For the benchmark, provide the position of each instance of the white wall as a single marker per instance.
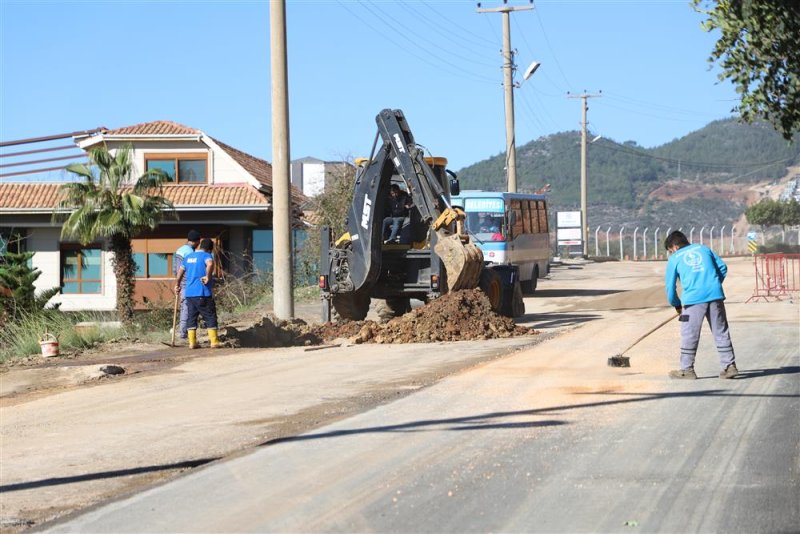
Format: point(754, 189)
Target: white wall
point(313, 179)
point(45, 242)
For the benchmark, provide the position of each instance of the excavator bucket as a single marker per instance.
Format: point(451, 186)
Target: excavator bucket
point(462, 262)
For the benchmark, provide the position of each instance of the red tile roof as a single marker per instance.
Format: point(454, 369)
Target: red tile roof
point(32, 196)
point(154, 128)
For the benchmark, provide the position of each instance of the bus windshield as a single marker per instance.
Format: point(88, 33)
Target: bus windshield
point(486, 226)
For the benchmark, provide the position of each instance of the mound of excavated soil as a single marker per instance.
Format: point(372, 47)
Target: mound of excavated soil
point(458, 316)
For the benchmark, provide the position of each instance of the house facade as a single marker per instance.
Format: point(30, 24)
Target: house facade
point(222, 192)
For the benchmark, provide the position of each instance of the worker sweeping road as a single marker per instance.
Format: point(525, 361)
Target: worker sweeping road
point(198, 267)
point(701, 273)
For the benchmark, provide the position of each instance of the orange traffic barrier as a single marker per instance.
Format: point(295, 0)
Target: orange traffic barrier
point(777, 275)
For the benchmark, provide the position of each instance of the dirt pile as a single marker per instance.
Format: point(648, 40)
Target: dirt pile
point(457, 316)
point(270, 331)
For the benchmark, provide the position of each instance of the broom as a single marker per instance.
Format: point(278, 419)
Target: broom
point(619, 360)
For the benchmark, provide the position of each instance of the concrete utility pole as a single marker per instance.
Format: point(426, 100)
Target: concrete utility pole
point(283, 301)
point(508, 86)
point(584, 211)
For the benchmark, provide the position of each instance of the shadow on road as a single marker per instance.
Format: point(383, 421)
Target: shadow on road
point(56, 481)
point(758, 373)
point(575, 292)
point(489, 420)
point(555, 320)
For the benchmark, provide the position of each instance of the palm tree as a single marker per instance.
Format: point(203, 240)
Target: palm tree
point(109, 203)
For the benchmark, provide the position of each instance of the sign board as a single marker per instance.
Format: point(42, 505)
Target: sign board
point(568, 219)
point(752, 236)
point(484, 204)
point(568, 234)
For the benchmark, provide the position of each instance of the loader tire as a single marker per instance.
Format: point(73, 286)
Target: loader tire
point(351, 306)
point(393, 307)
point(492, 284)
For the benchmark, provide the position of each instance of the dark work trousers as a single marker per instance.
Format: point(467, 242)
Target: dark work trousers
point(714, 313)
point(395, 223)
point(204, 306)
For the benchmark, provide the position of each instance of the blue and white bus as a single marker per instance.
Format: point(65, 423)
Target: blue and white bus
point(510, 228)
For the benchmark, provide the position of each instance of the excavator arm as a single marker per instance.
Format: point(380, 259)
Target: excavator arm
point(399, 155)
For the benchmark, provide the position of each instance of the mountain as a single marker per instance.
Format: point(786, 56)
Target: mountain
point(707, 177)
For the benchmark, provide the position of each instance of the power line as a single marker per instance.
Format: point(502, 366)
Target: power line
point(396, 21)
point(424, 59)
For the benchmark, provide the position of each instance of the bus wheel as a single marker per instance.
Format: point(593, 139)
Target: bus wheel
point(529, 286)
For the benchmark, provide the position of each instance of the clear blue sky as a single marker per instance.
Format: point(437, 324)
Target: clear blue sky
point(76, 65)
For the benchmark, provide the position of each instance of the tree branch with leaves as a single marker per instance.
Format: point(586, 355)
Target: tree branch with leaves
point(759, 52)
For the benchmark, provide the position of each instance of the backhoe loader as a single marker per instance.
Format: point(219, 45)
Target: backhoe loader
point(432, 256)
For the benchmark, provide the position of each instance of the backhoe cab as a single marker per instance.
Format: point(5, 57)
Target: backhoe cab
point(432, 255)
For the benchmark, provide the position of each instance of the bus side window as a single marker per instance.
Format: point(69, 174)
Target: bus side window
point(517, 227)
point(534, 217)
point(542, 216)
point(526, 217)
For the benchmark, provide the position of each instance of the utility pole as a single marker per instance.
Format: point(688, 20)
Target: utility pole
point(508, 86)
point(584, 204)
point(283, 301)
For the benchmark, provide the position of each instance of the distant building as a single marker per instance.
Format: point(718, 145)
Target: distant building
point(310, 175)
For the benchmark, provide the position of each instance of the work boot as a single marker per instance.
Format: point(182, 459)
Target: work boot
point(193, 344)
point(729, 372)
point(686, 374)
point(212, 337)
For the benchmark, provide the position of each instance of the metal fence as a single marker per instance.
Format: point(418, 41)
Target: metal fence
point(777, 275)
point(648, 244)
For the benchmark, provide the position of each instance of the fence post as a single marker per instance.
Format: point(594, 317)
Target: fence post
point(733, 244)
point(596, 243)
point(711, 238)
point(691, 235)
point(635, 231)
point(655, 242)
point(608, 242)
point(722, 240)
point(644, 242)
point(621, 250)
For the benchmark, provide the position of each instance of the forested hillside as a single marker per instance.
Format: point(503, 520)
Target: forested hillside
point(692, 180)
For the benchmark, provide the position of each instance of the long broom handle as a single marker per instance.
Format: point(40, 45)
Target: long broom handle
point(175, 315)
point(659, 325)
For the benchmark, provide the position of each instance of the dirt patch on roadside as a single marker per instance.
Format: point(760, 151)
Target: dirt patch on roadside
point(457, 316)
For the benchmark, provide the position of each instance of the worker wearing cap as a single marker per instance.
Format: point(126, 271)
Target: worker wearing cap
point(192, 240)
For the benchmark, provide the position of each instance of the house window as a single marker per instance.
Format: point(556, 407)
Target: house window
point(180, 168)
point(153, 264)
point(80, 270)
point(262, 250)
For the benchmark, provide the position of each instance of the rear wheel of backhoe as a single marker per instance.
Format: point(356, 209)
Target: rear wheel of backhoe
point(393, 307)
point(351, 306)
point(492, 284)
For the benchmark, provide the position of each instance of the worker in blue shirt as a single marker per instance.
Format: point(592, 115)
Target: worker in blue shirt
point(192, 240)
point(198, 268)
point(701, 273)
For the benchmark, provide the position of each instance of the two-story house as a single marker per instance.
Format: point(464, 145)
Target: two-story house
point(216, 189)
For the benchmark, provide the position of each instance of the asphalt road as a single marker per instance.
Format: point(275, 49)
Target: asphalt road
point(545, 440)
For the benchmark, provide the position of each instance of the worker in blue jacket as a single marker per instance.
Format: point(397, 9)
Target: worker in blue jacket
point(701, 273)
point(192, 240)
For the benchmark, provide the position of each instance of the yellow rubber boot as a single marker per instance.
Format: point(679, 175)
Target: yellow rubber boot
point(212, 337)
point(193, 339)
